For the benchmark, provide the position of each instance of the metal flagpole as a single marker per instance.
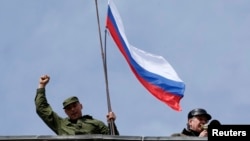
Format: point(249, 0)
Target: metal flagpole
point(104, 61)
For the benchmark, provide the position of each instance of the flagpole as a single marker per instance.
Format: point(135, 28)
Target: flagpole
point(104, 61)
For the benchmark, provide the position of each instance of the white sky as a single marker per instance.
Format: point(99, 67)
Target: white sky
point(206, 42)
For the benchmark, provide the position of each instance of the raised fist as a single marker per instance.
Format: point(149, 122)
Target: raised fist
point(44, 79)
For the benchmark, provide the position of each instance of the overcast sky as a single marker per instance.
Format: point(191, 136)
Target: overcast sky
point(206, 42)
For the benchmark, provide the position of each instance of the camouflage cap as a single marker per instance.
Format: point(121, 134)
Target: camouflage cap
point(69, 100)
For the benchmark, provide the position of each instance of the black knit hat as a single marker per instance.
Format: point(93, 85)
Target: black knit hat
point(198, 112)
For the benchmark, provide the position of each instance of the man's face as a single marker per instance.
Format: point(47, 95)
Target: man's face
point(74, 110)
point(196, 123)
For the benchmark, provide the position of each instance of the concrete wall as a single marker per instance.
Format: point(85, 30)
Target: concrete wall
point(97, 138)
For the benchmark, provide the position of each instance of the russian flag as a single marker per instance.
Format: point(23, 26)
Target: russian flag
point(153, 71)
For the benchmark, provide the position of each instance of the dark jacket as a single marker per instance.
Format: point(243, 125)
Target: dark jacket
point(63, 126)
point(186, 132)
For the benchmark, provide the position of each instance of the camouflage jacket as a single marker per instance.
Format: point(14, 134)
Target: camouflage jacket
point(63, 126)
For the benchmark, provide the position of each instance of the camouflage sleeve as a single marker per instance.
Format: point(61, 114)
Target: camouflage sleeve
point(45, 111)
point(104, 129)
point(115, 129)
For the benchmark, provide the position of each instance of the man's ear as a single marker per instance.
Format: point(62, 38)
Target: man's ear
point(190, 120)
point(81, 106)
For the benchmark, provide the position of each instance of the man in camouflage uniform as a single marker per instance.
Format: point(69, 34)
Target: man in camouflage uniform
point(75, 123)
